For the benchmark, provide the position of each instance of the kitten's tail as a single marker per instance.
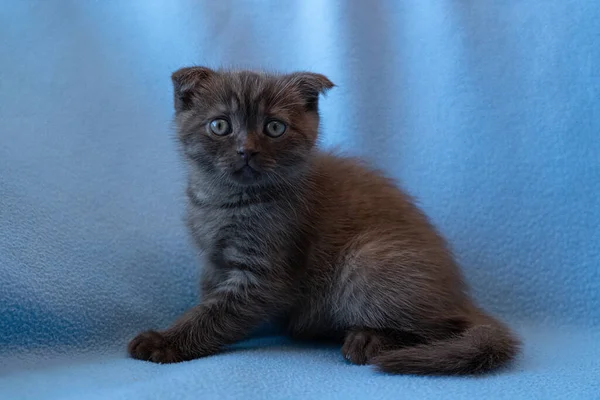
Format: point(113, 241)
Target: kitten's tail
point(480, 348)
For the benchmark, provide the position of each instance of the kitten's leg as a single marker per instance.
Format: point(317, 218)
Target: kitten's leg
point(225, 316)
point(415, 293)
point(209, 281)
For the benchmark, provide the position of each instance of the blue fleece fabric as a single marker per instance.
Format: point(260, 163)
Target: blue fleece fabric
point(487, 111)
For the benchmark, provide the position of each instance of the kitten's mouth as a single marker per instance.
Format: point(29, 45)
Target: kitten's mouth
point(246, 174)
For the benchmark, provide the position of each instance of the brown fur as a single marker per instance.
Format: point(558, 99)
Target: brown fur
point(321, 243)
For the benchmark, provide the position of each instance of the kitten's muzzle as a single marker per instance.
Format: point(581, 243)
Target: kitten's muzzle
point(247, 168)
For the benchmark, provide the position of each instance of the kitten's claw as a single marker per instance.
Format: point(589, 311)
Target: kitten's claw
point(360, 346)
point(154, 346)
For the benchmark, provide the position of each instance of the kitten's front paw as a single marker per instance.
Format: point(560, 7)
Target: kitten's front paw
point(360, 346)
point(154, 346)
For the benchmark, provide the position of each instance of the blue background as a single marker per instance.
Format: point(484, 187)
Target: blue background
point(488, 112)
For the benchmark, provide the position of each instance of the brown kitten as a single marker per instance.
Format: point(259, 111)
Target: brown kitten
point(322, 243)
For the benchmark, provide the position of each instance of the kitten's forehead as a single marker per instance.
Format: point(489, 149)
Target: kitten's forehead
point(253, 87)
point(249, 83)
point(253, 93)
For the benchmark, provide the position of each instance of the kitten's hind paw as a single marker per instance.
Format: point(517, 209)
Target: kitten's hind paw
point(360, 346)
point(154, 346)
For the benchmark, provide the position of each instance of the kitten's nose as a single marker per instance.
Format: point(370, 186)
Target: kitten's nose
point(246, 154)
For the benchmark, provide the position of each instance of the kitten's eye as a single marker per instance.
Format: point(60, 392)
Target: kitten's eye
point(275, 128)
point(220, 127)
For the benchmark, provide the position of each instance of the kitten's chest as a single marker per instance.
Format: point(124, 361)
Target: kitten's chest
point(247, 227)
point(255, 235)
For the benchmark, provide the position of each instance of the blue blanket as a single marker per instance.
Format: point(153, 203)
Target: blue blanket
point(488, 112)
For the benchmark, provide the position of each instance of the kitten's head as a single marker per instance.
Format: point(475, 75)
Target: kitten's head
point(247, 128)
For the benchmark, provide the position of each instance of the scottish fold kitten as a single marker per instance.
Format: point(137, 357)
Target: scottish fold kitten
point(323, 244)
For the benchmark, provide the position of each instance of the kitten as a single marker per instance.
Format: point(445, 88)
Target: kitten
point(322, 243)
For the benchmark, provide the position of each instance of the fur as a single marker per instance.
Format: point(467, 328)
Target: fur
point(322, 244)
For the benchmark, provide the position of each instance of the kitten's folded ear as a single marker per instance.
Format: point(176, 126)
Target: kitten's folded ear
point(311, 85)
point(185, 80)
